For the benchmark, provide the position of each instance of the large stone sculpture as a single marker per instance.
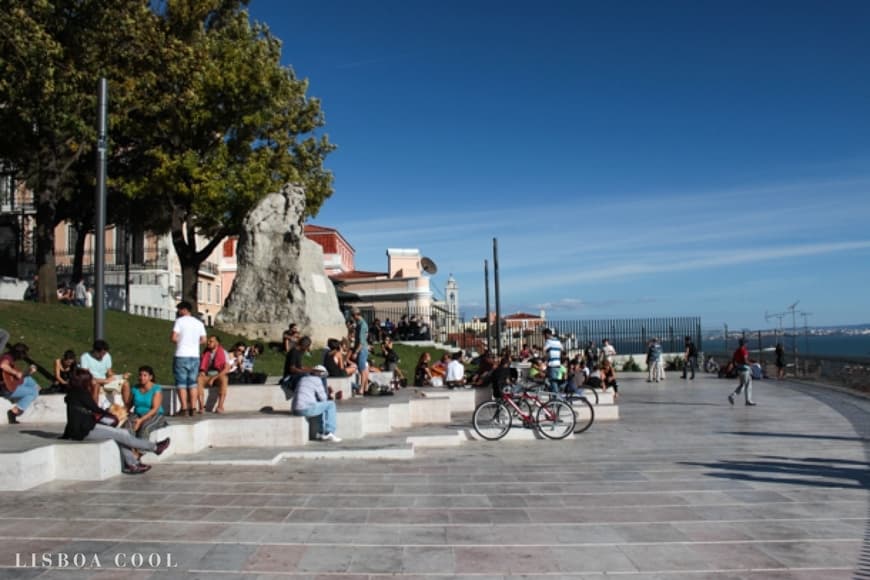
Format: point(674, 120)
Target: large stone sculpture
point(280, 276)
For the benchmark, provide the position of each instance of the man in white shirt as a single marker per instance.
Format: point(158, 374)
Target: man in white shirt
point(553, 351)
point(104, 382)
point(607, 350)
point(455, 372)
point(188, 333)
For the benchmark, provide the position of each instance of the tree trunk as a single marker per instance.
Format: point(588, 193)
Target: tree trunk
point(45, 263)
point(184, 241)
point(79, 255)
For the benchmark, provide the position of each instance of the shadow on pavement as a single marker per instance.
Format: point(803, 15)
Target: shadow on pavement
point(792, 435)
point(808, 472)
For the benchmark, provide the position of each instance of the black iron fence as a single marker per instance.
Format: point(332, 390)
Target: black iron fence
point(628, 336)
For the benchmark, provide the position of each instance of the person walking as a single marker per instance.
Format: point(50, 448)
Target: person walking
point(744, 373)
point(691, 358)
point(780, 361)
point(188, 333)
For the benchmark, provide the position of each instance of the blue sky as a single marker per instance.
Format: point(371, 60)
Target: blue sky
point(633, 158)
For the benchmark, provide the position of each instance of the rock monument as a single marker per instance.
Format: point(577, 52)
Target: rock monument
point(280, 276)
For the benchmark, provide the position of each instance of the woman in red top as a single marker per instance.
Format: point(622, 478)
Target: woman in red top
point(741, 364)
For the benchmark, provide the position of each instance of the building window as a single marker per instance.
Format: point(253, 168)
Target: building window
point(208, 293)
point(72, 236)
point(229, 248)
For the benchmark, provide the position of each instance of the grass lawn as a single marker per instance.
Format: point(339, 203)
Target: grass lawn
point(50, 329)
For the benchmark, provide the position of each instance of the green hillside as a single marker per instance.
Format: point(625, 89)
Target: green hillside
point(50, 329)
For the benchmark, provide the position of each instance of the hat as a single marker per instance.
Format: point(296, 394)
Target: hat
point(320, 370)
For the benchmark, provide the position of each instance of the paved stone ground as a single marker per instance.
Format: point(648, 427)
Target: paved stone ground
point(682, 486)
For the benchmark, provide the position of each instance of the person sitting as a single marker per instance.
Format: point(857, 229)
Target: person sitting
point(349, 366)
point(332, 360)
point(311, 399)
point(290, 337)
point(84, 422)
point(294, 367)
point(391, 357)
point(236, 360)
point(106, 385)
point(537, 370)
point(63, 369)
point(214, 369)
point(439, 369)
point(17, 386)
point(422, 372)
point(608, 377)
point(710, 365)
point(248, 360)
point(145, 405)
point(485, 365)
point(455, 372)
point(501, 377)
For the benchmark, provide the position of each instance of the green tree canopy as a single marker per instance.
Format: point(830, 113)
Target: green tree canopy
point(220, 124)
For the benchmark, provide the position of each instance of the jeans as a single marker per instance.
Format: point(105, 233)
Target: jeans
point(25, 393)
point(186, 371)
point(553, 379)
point(691, 363)
point(126, 442)
point(325, 408)
point(745, 375)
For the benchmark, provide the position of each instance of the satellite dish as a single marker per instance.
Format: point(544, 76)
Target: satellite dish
point(428, 266)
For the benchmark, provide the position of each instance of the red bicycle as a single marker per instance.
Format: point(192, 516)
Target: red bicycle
point(554, 419)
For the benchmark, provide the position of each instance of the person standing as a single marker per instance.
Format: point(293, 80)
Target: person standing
point(744, 373)
point(553, 352)
point(780, 361)
point(188, 333)
point(691, 358)
point(361, 348)
point(607, 350)
point(80, 294)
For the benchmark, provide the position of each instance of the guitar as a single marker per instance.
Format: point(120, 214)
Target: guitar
point(10, 381)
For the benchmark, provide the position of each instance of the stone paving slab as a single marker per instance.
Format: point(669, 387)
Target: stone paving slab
point(683, 486)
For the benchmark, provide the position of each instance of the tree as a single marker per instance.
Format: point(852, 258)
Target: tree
point(220, 124)
point(52, 54)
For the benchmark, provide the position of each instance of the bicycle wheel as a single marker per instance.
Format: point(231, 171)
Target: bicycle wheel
point(590, 394)
point(556, 420)
point(492, 420)
point(584, 414)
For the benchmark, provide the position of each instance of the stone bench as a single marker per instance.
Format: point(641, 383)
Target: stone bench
point(29, 457)
point(240, 398)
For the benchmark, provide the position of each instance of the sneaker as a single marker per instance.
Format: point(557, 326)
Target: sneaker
point(136, 469)
point(731, 399)
point(161, 446)
point(12, 417)
point(750, 404)
point(330, 437)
